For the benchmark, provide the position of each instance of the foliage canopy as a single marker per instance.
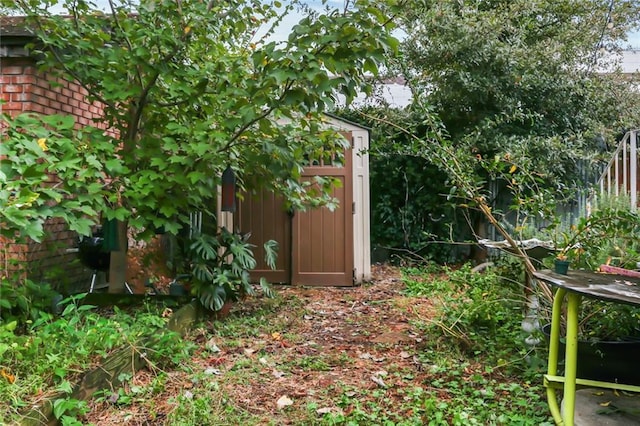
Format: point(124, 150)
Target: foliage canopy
point(189, 88)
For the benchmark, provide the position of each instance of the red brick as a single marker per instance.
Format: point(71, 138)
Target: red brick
point(78, 96)
point(23, 79)
point(15, 106)
point(12, 88)
point(55, 104)
point(67, 108)
point(12, 70)
point(36, 108)
point(74, 103)
point(41, 100)
point(20, 97)
point(37, 90)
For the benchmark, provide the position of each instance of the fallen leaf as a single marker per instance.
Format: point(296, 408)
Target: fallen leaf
point(405, 355)
point(284, 401)
point(276, 336)
point(378, 381)
point(277, 374)
point(605, 404)
point(211, 346)
point(10, 377)
point(325, 410)
point(365, 355)
point(215, 371)
point(249, 351)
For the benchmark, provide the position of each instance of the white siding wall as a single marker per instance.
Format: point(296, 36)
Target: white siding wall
point(361, 218)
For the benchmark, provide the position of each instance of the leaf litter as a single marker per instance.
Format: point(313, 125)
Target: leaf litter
point(327, 343)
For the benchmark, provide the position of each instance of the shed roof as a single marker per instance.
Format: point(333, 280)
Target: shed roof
point(14, 36)
point(12, 27)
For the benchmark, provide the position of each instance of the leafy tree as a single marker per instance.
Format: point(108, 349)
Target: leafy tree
point(409, 215)
point(516, 92)
point(189, 88)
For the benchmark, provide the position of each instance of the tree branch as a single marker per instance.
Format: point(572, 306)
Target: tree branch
point(126, 39)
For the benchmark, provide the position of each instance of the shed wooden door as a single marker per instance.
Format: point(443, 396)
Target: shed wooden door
point(265, 217)
point(323, 239)
point(316, 246)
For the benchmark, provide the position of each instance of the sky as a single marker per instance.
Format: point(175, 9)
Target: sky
point(293, 18)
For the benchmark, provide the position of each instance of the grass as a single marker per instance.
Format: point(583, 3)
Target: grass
point(442, 347)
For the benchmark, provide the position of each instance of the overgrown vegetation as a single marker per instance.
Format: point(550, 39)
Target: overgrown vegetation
point(48, 355)
point(509, 102)
point(427, 350)
point(478, 320)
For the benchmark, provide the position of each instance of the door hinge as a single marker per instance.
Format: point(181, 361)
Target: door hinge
point(353, 207)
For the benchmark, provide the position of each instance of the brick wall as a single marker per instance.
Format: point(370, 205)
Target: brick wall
point(24, 89)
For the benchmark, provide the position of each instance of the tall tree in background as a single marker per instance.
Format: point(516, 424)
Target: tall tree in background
point(191, 88)
point(522, 83)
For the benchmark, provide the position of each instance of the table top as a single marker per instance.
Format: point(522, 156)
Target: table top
point(611, 287)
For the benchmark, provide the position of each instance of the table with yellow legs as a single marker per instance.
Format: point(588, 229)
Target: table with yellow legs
point(574, 287)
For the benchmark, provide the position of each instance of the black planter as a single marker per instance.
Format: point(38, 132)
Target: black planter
point(607, 361)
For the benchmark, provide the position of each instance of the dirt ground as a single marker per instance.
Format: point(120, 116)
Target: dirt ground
point(362, 338)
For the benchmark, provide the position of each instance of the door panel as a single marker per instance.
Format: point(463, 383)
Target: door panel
point(316, 246)
point(264, 215)
point(323, 239)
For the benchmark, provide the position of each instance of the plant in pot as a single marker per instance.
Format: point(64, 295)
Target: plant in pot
point(220, 265)
point(590, 241)
point(568, 247)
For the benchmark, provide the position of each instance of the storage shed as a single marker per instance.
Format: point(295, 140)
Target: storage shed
point(317, 247)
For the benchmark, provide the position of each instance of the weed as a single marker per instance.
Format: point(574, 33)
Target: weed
point(51, 352)
point(312, 363)
point(478, 321)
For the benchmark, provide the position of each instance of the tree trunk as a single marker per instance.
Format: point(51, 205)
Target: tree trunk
point(118, 265)
point(479, 253)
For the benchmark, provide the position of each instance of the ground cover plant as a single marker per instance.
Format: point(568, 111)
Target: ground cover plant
point(381, 353)
point(45, 357)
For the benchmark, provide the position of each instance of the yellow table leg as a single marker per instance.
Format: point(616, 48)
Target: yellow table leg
point(571, 357)
point(554, 346)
